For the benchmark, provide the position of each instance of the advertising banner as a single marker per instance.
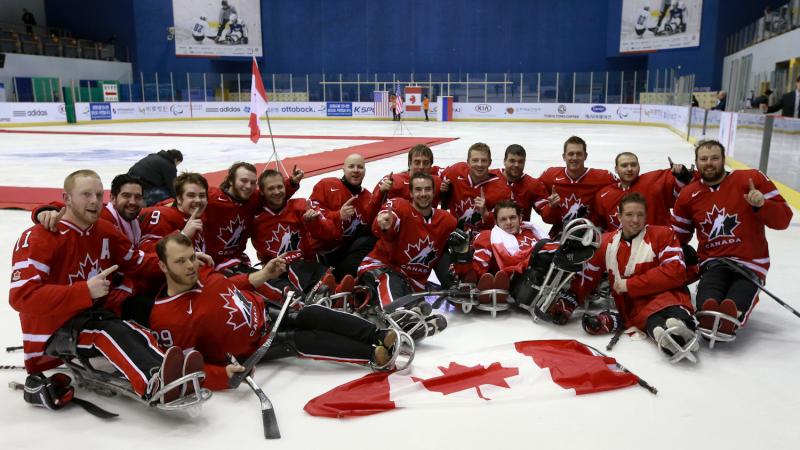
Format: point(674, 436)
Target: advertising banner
point(648, 25)
point(217, 28)
point(17, 113)
point(339, 109)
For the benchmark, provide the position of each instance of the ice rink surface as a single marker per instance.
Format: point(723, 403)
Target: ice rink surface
point(739, 396)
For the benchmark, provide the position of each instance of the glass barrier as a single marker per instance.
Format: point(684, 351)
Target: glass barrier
point(783, 163)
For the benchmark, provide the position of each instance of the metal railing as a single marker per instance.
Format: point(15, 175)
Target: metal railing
point(528, 87)
point(775, 22)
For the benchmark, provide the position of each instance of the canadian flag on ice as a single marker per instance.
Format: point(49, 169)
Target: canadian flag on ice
point(521, 371)
point(258, 102)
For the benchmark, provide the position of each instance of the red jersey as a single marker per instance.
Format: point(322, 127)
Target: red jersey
point(227, 224)
point(49, 274)
point(285, 232)
point(576, 195)
point(528, 193)
point(218, 316)
point(496, 250)
point(401, 188)
point(329, 195)
point(414, 243)
point(653, 265)
point(660, 188)
point(160, 221)
point(727, 226)
point(463, 193)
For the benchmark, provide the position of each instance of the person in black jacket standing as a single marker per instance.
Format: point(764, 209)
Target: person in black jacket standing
point(789, 104)
point(158, 171)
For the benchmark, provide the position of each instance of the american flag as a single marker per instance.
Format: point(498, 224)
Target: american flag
point(381, 103)
point(398, 100)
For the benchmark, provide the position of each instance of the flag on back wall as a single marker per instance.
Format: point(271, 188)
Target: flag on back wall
point(258, 102)
point(413, 98)
point(522, 371)
point(398, 100)
point(381, 99)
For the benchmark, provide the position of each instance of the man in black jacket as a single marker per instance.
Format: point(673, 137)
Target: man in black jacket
point(158, 172)
point(789, 104)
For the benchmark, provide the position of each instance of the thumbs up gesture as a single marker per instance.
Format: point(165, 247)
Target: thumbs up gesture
point(754, 197)
point(554, 199)
point(98, 284)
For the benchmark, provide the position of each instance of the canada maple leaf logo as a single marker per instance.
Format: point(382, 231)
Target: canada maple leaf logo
point(613, 221)
point(574, 208)
point(355, 222)
point(422, 253)
point(86, 269)
point(240, 310)
point(719, 224)
point(284, 239)
point(232, 234)
point(465, 209)
point(457, 378)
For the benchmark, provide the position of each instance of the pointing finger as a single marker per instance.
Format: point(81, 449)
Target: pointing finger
point(752, 186)
point(350, 201)
point(294, 169)
point(194, 214)
point(61, 213)
point(108, 271)
point(482, 196)
point(670, 161)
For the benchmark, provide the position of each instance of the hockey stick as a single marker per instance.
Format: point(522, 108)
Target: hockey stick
point(615, 338)
point(752, 278)
point(11, 367)
point(251, 361)
point(268, 418)
point(13, 349)
point(641, 382)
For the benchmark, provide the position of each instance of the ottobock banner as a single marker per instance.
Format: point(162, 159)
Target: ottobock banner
point(19, 113)
point(217, 28)
point(648, 25)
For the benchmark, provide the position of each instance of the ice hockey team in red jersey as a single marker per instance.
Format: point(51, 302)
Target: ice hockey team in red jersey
point(167, 293)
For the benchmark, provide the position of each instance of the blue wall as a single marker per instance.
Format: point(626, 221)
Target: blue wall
point(349, 36)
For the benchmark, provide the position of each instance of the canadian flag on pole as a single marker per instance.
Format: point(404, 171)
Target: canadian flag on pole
point(521, 371)
point(258, 102)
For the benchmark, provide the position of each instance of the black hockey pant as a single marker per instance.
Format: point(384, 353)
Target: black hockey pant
point(720, 282)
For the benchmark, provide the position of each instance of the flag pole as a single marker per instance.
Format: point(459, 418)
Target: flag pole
point(257, 79)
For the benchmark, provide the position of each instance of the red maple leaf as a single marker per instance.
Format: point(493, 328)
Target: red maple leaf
point(457, 378)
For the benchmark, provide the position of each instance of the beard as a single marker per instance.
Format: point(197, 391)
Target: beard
point(710, 177)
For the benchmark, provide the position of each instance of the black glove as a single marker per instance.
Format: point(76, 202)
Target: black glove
point(458, 243)
point(684, 176)
point(603, 323)
point(244, 40)
point(582, 210)
point(48, 392)
point(689, 255)
point(561, 309)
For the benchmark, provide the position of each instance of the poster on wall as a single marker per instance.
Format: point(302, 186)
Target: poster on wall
point(648, 25)
point(217, 27)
